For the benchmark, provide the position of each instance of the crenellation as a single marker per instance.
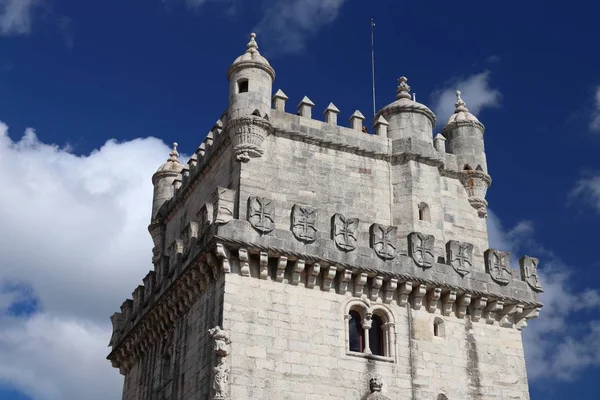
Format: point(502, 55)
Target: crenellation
point(290, 252)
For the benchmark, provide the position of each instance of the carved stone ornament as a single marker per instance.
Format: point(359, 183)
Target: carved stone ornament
point(345, 232)
point(529, 272)
point(383, 240)
point(304, 223)
point(497, 264)
point(190, 235)
point(220, 382)
point(375, 386)
point(420, 247)
point(460, 256)
point(261, 214)
point(223, 205)
point(248, 134)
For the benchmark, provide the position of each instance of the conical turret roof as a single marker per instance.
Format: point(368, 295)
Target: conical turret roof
point(251, 59)
point(461, 112)
point(172, 164)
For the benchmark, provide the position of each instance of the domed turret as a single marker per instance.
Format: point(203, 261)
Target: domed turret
point(163, 181)
point(406, 117)
point(250, 89)
point(464, 134)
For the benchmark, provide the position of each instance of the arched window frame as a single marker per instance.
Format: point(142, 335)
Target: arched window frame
point(424, 212)
point(388, 327)
point(439, 328)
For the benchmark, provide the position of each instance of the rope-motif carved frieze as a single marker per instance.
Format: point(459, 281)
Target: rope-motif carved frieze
point(400, 289)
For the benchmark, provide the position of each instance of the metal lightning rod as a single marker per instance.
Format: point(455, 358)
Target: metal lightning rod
point(373, 64)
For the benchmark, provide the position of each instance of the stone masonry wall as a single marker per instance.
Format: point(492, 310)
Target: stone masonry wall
point(192, 356)
point(289, 342)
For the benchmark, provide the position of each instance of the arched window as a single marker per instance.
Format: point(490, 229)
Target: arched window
point(376, 339)
point(438, 328)
point(424, 213)
point(242, 85)
point(356, 331)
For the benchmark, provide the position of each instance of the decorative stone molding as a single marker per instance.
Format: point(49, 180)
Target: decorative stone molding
point(418, 293)
point(476, 183)
point(376, 287)
point(405, 291)
point(359, 283)
point(345, 277)
point(298, 268)
point(489, 312)
point(264, 265)
point(529, 272)
point(313, 273)
point(223, 205)
point(248, 134)
point(383, 241)
point(477, 307)
point(330, 273)
point(304, 223)
point(463, 303)
point(244, 262)
point(220, 379)
point(448, 300)
point(433, 296)
point(281, 266)
point(497, 264)
point(261, 214)
point(390, 287)
point(420, 247)
point(344, 232)
point(460, 256)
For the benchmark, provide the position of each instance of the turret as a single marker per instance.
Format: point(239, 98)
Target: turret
point(406, 117)
point(464, 135)
point(250, 89)
point(464, 138)
point(163, 180)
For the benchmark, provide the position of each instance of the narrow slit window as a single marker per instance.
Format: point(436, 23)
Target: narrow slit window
point(438, 328)
point(424, 212)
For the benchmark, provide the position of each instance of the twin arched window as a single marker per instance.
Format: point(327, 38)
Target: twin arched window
point(370, 331)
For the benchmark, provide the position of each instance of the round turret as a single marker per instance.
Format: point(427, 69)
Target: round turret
point(464, 134)
point(406, 117)
point(250, 88)
point(250, 83)
point(163, 181)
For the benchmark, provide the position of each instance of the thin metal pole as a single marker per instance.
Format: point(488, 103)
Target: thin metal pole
point(373, 65)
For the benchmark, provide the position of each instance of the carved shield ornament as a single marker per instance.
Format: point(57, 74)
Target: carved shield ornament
point(460, 256)
point(261, 214)
point(421, 249)
point(529, 273)
point(497, 264)
point(304, 223)
point(345, 232)
point(383, 240)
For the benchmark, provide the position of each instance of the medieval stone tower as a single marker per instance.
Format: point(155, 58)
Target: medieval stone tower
point(302, 259)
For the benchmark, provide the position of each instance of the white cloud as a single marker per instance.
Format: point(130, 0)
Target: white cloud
point(73, 229)
point(16, 16)
point(476, 92)
point(588, 190)
point(286, 24)
point(595, 118)
point(556, 347)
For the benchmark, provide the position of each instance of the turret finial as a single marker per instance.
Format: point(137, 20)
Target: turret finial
point(174, 154)
point(460, 103)
point(252, 45)
point(403, 89)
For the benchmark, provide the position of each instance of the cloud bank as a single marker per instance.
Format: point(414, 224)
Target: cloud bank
point(72, 235)
point(16, 16)
point(595, 117)
point(476, 92)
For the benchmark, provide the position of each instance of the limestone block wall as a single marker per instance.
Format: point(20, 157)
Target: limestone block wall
point(289, 342)
point(191, 356)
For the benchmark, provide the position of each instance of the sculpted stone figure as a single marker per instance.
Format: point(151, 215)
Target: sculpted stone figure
point(261, 214)
point(497, 264)
point(460, 256)
point(375, 386)
point(421, 249)
point(529, 272)
point(220, 381)
point(345, 232)
point(383, 240)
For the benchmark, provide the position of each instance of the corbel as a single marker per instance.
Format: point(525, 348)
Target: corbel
point(405, 291)
point(244, 262)
point(390, 288)
point(264, 265)
point(281, 266)
point(330, 273)
point(359, 283)
point(224, 254)
point(418, 293)
point(477, 308)
point(433, 297)
point(462, 304)
point(376, 285)
point(345, 277)
point(313, 272)
point(298, 268)
point(491, 309)
point(448, 300)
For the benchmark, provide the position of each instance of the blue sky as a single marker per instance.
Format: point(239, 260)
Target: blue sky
point(92, 91)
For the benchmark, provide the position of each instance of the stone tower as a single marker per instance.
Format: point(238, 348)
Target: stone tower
point(301, 259)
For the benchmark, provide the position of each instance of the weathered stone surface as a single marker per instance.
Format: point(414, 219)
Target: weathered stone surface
point(383, 240)
point(529, 272)
point(460, 256)
point(261, 214)
point(497, 264)
point(421, 249)
point(304, 223)
point(345, 232)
